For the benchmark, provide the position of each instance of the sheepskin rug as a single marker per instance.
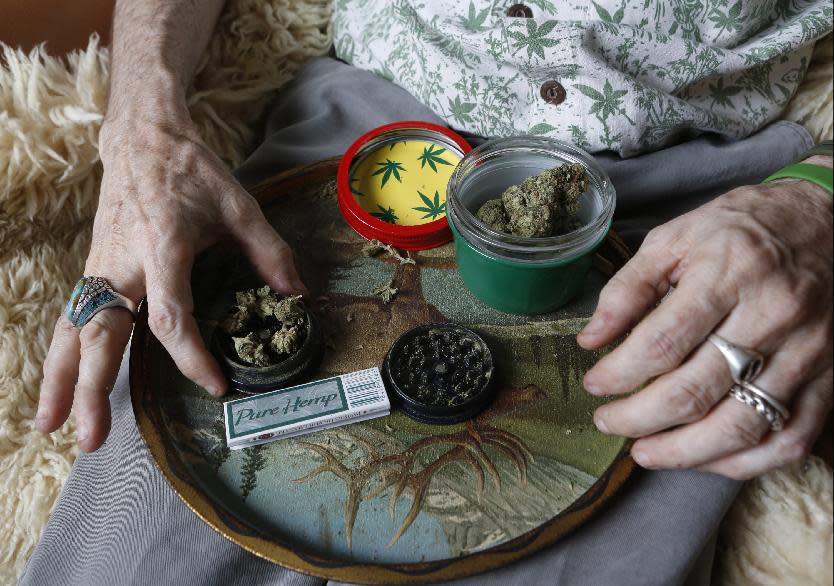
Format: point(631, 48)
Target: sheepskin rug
point(50, 111)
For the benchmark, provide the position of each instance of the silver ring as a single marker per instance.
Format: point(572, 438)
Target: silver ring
point(765, 396)
point(764, 404)
point(91, 295)
point(745, 364)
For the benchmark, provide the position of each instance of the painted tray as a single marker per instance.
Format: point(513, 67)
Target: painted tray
point(389, 501)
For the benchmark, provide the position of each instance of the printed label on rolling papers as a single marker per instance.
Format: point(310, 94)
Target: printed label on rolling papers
point(305, 408)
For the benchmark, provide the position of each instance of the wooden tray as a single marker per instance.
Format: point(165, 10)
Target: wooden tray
point(389, 501)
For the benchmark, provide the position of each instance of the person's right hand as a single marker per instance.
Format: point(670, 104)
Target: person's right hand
point(164, 198)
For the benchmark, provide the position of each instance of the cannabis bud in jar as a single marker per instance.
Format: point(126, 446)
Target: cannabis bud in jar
point(264, 327)
point(542, 205)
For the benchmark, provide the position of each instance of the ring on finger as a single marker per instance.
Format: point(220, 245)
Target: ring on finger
point(763, 402)
point(745, 363)
point(92, 295)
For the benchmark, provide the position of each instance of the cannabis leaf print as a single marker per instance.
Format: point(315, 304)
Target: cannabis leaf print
point(642, 73)
point(474, 21)
point(727, 21)
point(461, 110)
point(353, 190)
point(606, 104)
point(542, 128)
point(389, 168)
point(433, 208)
point(432, 158)
point(606, 16)
point(721, 95)
point(536, 39)
point(386, 215)
point(609, 102)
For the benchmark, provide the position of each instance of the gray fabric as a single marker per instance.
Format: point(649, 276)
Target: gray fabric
point(118, 521)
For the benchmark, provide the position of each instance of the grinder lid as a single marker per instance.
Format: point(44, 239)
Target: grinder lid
point(392, 183)
point(440, 373)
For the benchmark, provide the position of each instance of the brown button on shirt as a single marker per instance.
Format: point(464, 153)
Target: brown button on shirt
point(520, 11)
point(553, 92)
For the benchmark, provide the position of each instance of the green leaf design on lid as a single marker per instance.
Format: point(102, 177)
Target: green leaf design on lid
point(388, 169)
point(386, 215)
point(433, 208)
point(432, 157)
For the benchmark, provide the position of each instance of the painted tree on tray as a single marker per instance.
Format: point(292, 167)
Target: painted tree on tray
point(480, 448)
point(217, 454)
point(253, 461)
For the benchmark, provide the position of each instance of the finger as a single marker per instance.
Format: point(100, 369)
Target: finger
point(664, 339)
point(170, 317)
point(689, 392)
point(267, 251)
point(103, 341)
point(682, 396)
point(791, 445)
point(731, 426)
point(632, 292)
point(60, 371)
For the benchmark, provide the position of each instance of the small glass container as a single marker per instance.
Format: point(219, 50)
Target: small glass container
point(511, 273)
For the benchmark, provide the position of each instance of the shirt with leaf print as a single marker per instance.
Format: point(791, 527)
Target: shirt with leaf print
point(637, 74)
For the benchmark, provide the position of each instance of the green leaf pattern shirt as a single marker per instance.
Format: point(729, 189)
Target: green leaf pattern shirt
point(622, 75)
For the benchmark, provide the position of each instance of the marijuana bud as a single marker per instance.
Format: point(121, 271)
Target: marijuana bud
point(237, 321)
point(251, 351)
point(289, 310)
point(286, 340)
point(264, 327)
point(386, 293)
point(533, 222)
point(492, 214)
point(542, 205)
point(245, 298)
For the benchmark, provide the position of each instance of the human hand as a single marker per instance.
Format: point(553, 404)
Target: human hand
point(164, 198)
point(753, 266)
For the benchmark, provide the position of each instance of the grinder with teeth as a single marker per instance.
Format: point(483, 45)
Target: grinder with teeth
point(440, 373)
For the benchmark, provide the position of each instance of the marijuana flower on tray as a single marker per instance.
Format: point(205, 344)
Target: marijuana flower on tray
point(541, 206)
point(264, 327)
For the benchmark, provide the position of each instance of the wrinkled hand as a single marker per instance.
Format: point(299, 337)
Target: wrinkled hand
point(753, 266)
point(164, 198)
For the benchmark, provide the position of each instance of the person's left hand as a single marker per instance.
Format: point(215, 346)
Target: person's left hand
point(753, 266)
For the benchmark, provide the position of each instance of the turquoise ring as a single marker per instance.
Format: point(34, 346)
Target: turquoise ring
point(91, 295)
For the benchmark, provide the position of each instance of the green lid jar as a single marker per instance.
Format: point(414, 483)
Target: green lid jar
point(512, 273)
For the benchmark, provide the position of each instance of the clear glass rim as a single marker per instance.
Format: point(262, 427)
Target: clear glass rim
point(548, 249)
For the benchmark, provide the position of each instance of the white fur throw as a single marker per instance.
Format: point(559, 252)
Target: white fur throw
point(50, 112)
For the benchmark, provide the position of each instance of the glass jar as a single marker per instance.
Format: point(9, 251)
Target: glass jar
point(511, 273)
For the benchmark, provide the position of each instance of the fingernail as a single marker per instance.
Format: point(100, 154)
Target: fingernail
point(599, 421)
point(641, 458)
point(82, 432)
point(593, 327)
point(300, 287)
point(594, 390)
point(592, 385)
point(42, 414)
